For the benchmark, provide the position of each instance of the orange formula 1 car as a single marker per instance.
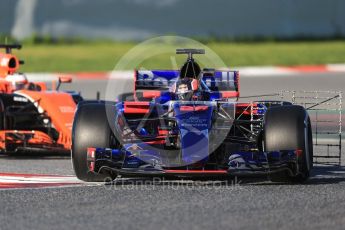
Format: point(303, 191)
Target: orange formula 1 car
point(33, 119)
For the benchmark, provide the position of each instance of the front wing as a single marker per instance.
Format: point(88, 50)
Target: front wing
point(239, 164)
point(29, 141)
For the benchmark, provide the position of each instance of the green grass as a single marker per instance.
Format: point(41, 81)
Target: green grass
point(103, 56)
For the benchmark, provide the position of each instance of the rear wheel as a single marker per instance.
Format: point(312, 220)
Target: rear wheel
point(91, 129)
point(289, 128)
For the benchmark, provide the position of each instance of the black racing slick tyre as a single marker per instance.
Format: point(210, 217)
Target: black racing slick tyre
point(288, 128)
point(91, 129)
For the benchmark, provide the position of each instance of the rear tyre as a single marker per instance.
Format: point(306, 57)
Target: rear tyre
point(288, 128)
point(91, 129)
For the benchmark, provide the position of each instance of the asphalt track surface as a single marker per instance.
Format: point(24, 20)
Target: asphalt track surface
point(156, 204)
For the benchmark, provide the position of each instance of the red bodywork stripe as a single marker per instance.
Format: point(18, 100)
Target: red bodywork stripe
point(193, 108)
point(156, 142)
point(151, 94)
point(244, 108)
point(230, 94)
point(136, 107)
point(163, 132)
point(178, 171)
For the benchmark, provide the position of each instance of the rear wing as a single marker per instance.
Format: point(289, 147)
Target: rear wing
point(155, 79)
point(225, 82)
point(9, 48)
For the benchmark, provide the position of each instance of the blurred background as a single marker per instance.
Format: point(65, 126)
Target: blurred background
point(141, 19)
point(266, 32)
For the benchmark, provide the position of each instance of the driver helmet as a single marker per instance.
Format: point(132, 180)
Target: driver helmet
point(185, 88)
point(17, 80)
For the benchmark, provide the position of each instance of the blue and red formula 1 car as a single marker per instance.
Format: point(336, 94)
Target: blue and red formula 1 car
point(189, 123)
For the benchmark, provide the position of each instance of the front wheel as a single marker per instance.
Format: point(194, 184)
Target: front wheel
point(288, 128)
point(91, 128)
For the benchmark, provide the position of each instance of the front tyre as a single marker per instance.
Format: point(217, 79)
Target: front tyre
point(289, 128)
point(91, 129)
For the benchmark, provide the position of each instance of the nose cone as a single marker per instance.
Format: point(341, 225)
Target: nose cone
point(194, 122)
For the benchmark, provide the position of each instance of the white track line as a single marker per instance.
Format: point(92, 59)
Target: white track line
point(38, 179)
point(10, 181)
